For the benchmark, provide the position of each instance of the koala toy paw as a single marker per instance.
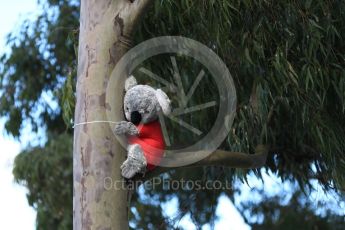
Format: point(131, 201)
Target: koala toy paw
point(135, 163)
point(125, 127)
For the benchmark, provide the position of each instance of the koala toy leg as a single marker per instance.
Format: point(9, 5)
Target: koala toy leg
point(135, 163)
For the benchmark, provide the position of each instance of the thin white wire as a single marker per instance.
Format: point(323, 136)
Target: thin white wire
point(90, 122)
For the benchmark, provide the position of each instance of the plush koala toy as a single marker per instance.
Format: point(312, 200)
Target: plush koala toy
point(142, 104)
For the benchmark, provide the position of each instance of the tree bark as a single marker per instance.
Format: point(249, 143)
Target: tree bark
point(221, 158)
point(105, 30)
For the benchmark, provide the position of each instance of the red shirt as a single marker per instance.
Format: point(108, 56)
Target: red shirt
point(150, 139)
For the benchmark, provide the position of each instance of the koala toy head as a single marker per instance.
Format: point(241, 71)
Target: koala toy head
point(142, 103)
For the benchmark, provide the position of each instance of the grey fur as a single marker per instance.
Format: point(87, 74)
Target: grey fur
point(135, 163)
point(125, 128)
point(130, 82)
point(148, 102)
point(142, 98)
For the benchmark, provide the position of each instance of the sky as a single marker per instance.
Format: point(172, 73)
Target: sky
point(15, 211)
point(13, 200)
point(14, 205)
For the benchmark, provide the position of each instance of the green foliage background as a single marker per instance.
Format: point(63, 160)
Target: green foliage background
point(287, 60)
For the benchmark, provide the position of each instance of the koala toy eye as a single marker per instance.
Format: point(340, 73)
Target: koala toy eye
point(126, 108)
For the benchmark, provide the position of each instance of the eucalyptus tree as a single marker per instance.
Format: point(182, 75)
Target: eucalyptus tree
point(277, 88)
point(286, 59)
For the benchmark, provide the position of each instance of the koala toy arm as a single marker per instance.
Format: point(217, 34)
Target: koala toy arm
point(125, 128)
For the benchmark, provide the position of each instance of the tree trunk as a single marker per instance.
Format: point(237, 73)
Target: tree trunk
point(105, 28)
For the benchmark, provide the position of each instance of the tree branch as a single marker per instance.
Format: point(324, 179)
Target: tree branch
point(131, 13)
point(222, 158)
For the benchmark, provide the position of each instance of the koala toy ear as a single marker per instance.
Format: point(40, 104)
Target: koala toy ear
point(130, 82)
point(163, 101)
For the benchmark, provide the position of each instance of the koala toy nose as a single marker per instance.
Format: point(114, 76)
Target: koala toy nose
point(135, 117)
